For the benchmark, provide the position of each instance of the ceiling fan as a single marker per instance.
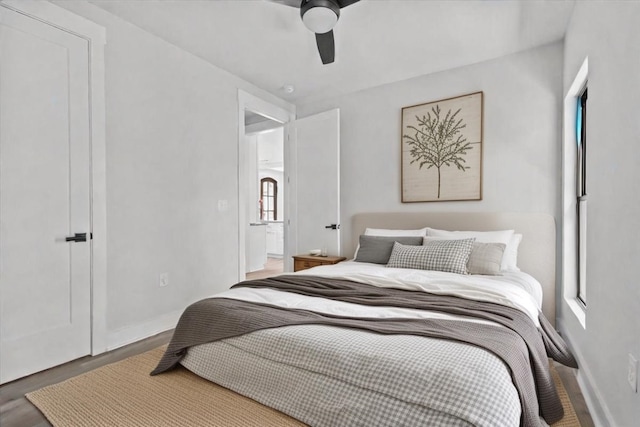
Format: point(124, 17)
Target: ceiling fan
point(320, 16)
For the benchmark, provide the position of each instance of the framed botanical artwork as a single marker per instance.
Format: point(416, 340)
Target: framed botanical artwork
point(442, 150)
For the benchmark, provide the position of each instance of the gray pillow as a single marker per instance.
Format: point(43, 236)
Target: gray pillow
point(377, 249)
point(486, 258)
point(439, 255)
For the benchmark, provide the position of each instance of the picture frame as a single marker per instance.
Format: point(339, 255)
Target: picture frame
point(441, 150)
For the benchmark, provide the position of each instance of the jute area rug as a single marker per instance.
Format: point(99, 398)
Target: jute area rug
point(124, 395)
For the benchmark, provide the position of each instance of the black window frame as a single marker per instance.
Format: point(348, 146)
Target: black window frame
point(265, 212)
point(581, 197)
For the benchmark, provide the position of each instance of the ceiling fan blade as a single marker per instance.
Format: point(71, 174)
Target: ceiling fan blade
point(345, 3)
point(297, 3)
point(326, 47)
point(292, 3)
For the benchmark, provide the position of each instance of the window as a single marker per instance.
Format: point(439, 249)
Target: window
point(574, 196)
point(268, 199)
point(581, 194)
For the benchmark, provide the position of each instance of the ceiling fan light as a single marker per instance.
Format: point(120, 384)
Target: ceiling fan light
point(320, 19)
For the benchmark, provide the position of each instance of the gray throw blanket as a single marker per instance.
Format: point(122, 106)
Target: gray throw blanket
point(522, 346)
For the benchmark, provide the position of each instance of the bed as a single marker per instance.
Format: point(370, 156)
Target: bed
point(376, 341)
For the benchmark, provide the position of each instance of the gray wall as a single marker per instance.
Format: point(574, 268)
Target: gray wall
point(522, 119)
point(607, 32)
point(172, 151)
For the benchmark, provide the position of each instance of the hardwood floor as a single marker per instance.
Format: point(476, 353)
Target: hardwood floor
point(271, 268)
point(17, 411)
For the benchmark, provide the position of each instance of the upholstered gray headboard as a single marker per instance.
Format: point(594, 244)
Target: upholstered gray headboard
point(536, 254)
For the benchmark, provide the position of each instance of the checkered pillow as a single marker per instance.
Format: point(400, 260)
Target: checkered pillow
point(439, 255)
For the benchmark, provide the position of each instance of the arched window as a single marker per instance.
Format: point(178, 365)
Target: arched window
point(268, 199)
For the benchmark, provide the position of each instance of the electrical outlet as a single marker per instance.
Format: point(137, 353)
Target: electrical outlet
point(164, 280)
point(632, 375)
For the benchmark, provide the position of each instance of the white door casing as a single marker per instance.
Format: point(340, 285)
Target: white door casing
point(315, 183)
point(51, 111)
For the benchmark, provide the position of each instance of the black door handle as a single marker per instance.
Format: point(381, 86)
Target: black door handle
point(333, 226)
point(78, 237)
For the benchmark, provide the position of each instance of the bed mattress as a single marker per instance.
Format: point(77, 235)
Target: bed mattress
point(331, 376)
point(335, 372)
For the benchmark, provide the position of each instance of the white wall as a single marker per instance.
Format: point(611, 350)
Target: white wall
point(522, 110)
point(172, 132)
point(253, 182)
point(607, 32)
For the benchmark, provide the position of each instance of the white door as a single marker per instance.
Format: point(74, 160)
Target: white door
point(315, 183)
point(44, 196)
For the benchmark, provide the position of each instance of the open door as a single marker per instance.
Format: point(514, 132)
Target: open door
point(314, 184)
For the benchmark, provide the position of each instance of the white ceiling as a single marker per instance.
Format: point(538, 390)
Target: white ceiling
point(377, 41)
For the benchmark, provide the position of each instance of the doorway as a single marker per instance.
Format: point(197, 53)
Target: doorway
point(265, 166)
point(263, 194)
point(311, 171)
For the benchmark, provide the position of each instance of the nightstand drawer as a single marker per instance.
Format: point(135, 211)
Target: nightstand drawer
point(304, 264)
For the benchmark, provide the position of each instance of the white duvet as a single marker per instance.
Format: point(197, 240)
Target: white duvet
point(513, 289)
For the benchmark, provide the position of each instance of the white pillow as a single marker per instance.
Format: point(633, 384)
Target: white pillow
point(390, 232)
point(509, 259)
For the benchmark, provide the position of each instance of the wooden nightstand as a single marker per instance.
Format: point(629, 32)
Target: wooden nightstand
point(302, 262)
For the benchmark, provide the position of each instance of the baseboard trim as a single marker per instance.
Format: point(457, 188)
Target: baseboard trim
point(599, 413)
point(130, 334)
point(598, 410)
